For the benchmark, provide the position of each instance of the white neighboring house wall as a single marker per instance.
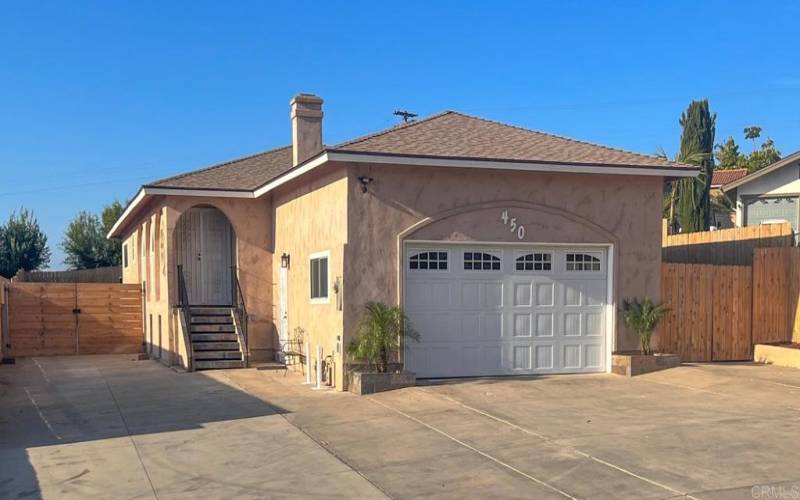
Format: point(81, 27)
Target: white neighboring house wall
point(781, 182)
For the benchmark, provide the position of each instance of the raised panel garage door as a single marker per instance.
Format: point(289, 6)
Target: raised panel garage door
point(776, 208)
point(484, 310)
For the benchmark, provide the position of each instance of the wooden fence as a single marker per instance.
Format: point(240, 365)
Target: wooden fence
point(724, 247)
point(74, 318)
point(5, 344)
point(717, 313)
point(98, 275)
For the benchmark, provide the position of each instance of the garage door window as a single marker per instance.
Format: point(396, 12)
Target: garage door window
point(583, 262)
point(534, 262)
point(481, 261)
point(428, 261)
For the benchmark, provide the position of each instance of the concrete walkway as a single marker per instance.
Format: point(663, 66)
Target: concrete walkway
point(108, 427)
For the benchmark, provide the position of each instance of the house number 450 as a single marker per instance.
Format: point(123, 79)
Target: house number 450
point(519, 229)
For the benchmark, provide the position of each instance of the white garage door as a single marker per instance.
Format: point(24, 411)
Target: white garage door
point(505, 310)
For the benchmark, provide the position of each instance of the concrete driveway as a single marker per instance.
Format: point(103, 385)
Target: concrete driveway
point(101, 427)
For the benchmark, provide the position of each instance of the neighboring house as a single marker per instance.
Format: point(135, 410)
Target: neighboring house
point(723, 211)
point(771, 194)
point(509, 249)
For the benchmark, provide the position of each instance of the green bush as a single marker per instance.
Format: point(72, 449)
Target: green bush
point(643, 316)
point(379, 333)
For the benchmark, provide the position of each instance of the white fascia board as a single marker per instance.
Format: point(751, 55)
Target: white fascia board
point(510, 165)
point(421, 161)
point(152, 191)
point(292, 174)
point(214, 193)
point(130, 208)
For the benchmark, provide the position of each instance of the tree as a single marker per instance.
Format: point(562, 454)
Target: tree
point(760, 158)
point(23, 245)
point(691, 195)
point(85, 243)
point(642, 316)
point(729, 156)
point(379, 334)
point(752, 133)
point(108, 217)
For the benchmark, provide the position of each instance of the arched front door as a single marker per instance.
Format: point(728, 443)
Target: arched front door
point(204, 249)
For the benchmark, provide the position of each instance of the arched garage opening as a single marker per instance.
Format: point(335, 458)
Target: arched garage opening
point(204, 250)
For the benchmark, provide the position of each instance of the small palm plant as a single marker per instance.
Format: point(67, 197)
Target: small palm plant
point(379, 334)
point(643, 316)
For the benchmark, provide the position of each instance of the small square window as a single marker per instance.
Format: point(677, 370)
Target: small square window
point(481, 261)
point(534, 262)
point(583, 262)
point(433, 261)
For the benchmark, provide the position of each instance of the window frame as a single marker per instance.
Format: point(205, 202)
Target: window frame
point(326, 256)
point(523, 253)
point(419, 251)
point(125, 256)
point(493, 252)
point(594, 254)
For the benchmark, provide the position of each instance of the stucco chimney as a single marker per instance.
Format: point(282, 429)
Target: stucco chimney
point(306, 127)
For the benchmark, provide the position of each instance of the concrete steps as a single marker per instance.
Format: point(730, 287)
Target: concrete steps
point(217, 364)
point(215, 343)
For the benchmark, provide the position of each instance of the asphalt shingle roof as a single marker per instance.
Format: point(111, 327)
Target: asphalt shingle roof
point(244, 174)
point(449, 134)
point(456, 135)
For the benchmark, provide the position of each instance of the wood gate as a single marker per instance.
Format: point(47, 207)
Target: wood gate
point(48, 319)
point(717, 313)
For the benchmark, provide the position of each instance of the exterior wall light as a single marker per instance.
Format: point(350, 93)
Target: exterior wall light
point(285, 260)
point(364, 180)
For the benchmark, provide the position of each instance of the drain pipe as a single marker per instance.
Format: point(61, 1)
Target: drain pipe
point(319, 368)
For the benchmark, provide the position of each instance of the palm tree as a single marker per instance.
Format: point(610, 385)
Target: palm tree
point(643, 316)
point(379, 334)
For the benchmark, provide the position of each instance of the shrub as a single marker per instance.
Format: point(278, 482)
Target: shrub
point(643, 316)
point(379, 333)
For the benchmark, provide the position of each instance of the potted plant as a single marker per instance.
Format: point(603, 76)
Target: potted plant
point(642, 316)
point(377, 344)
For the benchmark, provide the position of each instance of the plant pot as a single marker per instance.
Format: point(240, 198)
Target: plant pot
point(631, 364)
point(370, 382)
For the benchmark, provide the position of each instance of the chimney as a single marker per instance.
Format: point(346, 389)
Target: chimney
point(306, 127)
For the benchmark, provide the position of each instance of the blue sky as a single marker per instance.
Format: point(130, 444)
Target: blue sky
point(98, 97)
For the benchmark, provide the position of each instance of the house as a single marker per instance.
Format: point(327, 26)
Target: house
point(723, 213)
point(509, 249)
point(770, 194)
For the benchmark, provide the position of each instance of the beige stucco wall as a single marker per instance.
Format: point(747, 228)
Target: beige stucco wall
point(252, 227)
point(464, 205)
point(311, 216)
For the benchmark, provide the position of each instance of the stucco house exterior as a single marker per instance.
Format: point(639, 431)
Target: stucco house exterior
point(509, 249)
point(771, 194)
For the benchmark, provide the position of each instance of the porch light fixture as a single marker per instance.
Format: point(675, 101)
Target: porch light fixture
point(364, 180)
point(285, 260)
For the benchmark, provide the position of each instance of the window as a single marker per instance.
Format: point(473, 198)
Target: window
point(125, 255)
point(582, 262)
point(534, 262)
point(319, 277)
point(436, 261)
point(481, 261)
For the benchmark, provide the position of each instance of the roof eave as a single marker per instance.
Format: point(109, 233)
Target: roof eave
point(788, 160)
